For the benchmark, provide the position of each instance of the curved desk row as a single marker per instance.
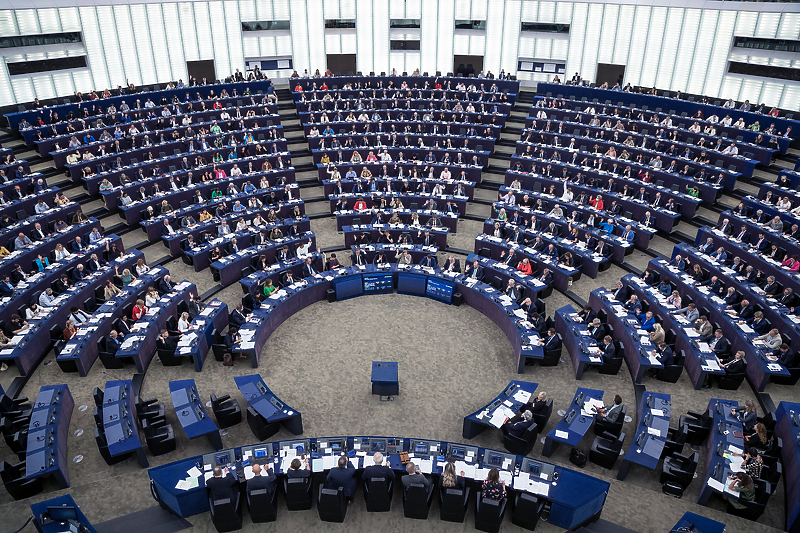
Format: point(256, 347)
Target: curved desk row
point(441, 202)
point(82, 350)
point(406, 185)
point(788, 430)
point(120, 423)
point(200, 255)
point(234, 267)
point(48, 431)
point(413, 83)
point(464, 172)
point(399, 126)
point(721, 439)
point(154, 227)
point(585, 260)
point(409, 140)
point(178, 242)
point(355, 281)
point(268, 406)
point(353, 235)
point(204, 90)
point(30, 346)
point(382, 216)
point(416, 154)
point(574, 497)
point(581, 347)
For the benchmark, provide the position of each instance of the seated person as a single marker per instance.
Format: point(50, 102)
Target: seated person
point(222, 488)
point(343, 476)
point(493, 488)
point(611, 414)
point(415, 477)
point(262, 479)
point(518, 429)
point(377, 470)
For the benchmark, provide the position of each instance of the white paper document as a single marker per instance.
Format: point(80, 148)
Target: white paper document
point(562, 434)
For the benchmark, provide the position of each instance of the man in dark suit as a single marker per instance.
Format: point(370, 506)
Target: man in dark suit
point(232, 247)
point(744, 310)
point(546, 277)
point(377, 470)
point(760, 243)
point(237, 317)
point(603, 249)
point(609, 350)
point(308, 267)
point(284, 254)
point(63, 284)
point(678, 263)
point(164, 286)
point(587, 314)
point(358, 258)
point(735, 365)
point(415, 477)
point(714, 284)
point(664, 354)
point(96, 263)
point(168, 342)
point(742, 235)
point(784, 355)
point(726, 227)
point(787, 298)
point(77, 247)
point(79, 273)
point(771, 287)
point(596, 330)
point(38, 233)
point(452, 265)
point(343, 475)
point(428, 261)
point(719, 344)
point(221, 487)
point(518, 429)
point(112, 342)
point(551, 342)
point(513, 291)
point(474, 271)
point(262, 479)
point(195, 307)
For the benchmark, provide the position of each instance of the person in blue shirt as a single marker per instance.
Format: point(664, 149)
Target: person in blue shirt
point(88, 138)
point(249, 188)
point(607, 226)
point(646, 320)
point(628, 234)
point(665, 288)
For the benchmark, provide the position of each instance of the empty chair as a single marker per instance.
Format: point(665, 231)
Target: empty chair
point(260, 427)
point(16, 484)
point(679, 469)
point(378, 494)
point(489, 513)
point(102, 445)
point(149, 409)
point(331, 504)
point(297, 493)
point(417, 501)
point(697, 426)
point(16, 407)
point(527, 510)
point(676, 438)
point(605, 450)
point(453, 504)
point(226, 514)
point(169, 358)
point(226, 410)
point(159, 436)
point(262, 505)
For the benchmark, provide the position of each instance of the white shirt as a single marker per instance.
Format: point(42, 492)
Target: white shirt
point(46, 300)
point(304, 249)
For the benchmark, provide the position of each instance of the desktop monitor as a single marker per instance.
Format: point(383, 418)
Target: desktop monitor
point(377, 446)
point(221, 459)
point(495, 460)
point(62, 513)
point(337, 447)
point(457, 453)
point(534, 468)
point(261, 387)
point(420, 447)
point(259, 452)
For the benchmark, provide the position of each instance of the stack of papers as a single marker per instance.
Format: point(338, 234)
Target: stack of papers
point(522, 396)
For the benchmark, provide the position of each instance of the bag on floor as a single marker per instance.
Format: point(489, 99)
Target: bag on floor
point(227, 359)
point(577, 457)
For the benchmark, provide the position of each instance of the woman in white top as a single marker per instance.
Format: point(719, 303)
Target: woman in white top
point(141, 267)
point(151, 297)
point(784, 204)
point(61, 252)
point(739, 124)
point(31, 311)
point(567, 196)
point(184, 323)
point(241, 225)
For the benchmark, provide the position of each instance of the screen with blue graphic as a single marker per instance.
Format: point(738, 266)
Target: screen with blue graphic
point(440, 290)
point(378, 283)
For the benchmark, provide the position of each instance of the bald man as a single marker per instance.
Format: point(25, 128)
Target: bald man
point(262, 479)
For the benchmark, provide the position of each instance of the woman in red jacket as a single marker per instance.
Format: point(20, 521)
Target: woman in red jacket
point(138, 310)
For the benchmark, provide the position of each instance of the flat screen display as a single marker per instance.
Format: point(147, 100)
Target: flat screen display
point(457, 453)
point(378, 283)
point(378, 446)
point(260, 452)
point(411, 284)
point(62, 514)
point(222, 459)
point(348, 287)
point(421, 448)
point(495, 460)
point(440, 290)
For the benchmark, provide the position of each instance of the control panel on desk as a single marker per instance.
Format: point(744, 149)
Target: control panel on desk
point(460, 452)
point(259, 454)
point(384, 445)
point(424, 448)
point(538, 470)
point(499, 460)
point(334, 446)
point(222, 459)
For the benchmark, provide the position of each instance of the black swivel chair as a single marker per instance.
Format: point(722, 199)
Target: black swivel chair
point(679, 469)
point(297, 493)
point(732, 381)
point(489, 514)
point(169, 358)
point(149, 409)
point(226, 514)
point(226, 410)
point(102, 445)
point(97, 394)
point(417, 501)
point(331, 505)
point(605, 450)
point(262, 505)
point(524, 444)
point(543, 418)
point(552, 356)
point(671, 373)
point(159, 436)
point(259, 425)
point(697, 425)
point(16, 407)
point(676, 438)
point(15, 482)
point(453, 504)
point(602, 425)
point(378, 494)
point(527, 510)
